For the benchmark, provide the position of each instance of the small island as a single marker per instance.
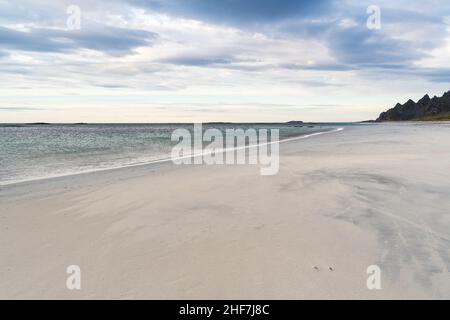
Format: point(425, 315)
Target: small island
point(293, 123)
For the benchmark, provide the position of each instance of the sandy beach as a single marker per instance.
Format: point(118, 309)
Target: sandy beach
point(374, 194)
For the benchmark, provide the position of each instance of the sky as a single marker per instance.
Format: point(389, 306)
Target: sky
point(218, 60)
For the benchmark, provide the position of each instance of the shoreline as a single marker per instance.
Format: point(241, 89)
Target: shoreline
point(157, 161)
point(15, 183)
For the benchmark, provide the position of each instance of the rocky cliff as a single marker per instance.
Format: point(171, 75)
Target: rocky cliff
point(436, 108)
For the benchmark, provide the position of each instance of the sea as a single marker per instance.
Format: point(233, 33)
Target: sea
point(38, 151)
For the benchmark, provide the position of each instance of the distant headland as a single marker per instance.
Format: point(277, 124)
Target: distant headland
point(426, 109)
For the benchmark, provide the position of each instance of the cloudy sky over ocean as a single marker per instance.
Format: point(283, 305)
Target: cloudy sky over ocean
point(217, 60)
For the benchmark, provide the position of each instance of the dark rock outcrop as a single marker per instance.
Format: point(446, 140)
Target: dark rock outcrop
point(425, 107)
point(294, 122)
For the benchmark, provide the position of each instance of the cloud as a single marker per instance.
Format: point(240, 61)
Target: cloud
point(111, 85)
point(197, 60)
point(437, 75)
point(226, 61)
point(432, 74)
point(236, 11)
point(106, 39)
point(13, 39)
point(318, 67)
point(363, 46)
point(20, 109)
point(406, 37)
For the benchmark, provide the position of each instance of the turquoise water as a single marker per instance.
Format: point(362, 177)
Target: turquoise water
point(31, 152)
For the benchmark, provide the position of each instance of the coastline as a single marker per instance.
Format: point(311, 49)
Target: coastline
point(165, 159)
point(342, 201)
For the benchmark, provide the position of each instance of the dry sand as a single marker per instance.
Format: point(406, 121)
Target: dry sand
point(370, 194)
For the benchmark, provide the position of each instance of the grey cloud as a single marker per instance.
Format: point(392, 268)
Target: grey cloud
point(107, 39)
point(111, 85)
point(197, 60)
point(15, 109)
point(237, 12)
point(226, 61)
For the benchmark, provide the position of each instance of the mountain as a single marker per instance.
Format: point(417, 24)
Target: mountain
point(436, 108)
